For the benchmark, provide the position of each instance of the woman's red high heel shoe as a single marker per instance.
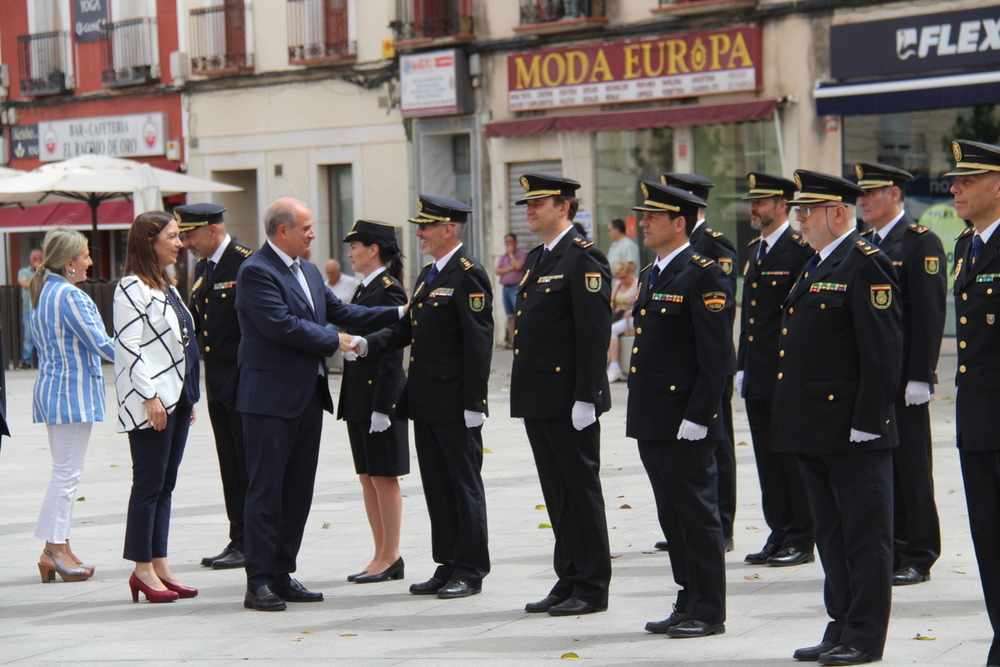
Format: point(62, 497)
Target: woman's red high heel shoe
point(153, 595)
point(182, 591)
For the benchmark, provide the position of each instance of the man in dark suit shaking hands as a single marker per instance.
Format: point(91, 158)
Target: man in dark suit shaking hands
point(283, 307)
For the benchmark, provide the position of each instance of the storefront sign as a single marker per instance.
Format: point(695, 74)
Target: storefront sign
point(689, 65)
point(434, 83)
point(24, 141)
point(89, 19)
point(950, 40)
point(114, 136)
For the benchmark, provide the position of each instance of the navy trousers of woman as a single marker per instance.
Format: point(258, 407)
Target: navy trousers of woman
point(156, 456)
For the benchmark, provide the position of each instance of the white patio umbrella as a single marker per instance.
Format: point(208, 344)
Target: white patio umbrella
point(6, 172)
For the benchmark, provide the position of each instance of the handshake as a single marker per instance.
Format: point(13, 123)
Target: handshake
point(353, 346)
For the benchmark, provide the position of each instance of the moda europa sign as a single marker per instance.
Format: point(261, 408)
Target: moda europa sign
point(687, 65)
point(114, 136)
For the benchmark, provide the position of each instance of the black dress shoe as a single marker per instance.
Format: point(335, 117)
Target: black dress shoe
point(352, 577)
point(574, 607)
point(907, 576)
point(661, 627)
point(661, 546)
point(812, 653)
point(293, 591)
point(790, 556)
point(456, 588)
point(429, 587)
point(263, 599)
point(393, 572)
point(844, 655)
point(207, 562)
point(231, 561)
point(692, 628)
point(760, 558)
point(543, 605)
point(729, 544)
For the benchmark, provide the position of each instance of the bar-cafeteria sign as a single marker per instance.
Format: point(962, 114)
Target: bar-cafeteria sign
point(688, 65)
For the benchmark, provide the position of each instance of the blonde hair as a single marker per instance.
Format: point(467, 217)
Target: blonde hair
point(61, 245)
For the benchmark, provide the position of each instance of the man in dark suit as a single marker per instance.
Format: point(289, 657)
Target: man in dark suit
point(977, 291)
point(921, 270)
point(713, 244)
point(839, 362)
point(283, 307)
point(559, 387)
point(680, 365)
point(776, 258)
point(450, 331)
point(213, 306)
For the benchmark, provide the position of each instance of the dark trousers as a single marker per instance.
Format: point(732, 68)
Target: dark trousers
point(227, 425)
point(981, 473)
point(851, 500)
point(568, 463)
point(782, 495)
point(451, 463)
point(725, 461)
point(685, 485)
point(281, 461)
point(156, 456)
point(918, 532)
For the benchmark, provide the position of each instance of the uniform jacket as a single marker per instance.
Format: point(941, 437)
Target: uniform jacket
point(922, 272)
point(683, 344)
point(840, 355)
point(149, 351)
point(764, 290)
point(284, 341)
point(373, 383)
point(562, 331)
point(712, 244)
point(71, 341)
point(213, 305)
point(450, 330)
point(977, 308)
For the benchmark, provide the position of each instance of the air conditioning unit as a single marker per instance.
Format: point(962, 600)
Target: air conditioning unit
point(180, 67)
point(174, 149)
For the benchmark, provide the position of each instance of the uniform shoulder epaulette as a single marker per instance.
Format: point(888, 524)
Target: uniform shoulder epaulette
point(918, 228)
point(583, 243)
point(713, 233)
point(387, 281)
point(702, 261)
point(243, 250)
point(646, 267)
point(798, 239)
point(965, 232)
point(428, 264)
point(866, 248)
point(466, 264)
point(868, 232)
point(756, 239)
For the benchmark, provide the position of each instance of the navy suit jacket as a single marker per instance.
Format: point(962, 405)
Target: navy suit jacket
point(284, 340)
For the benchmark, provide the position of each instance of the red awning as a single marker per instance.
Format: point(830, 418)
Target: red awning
point(636, 120)
point(110, 215)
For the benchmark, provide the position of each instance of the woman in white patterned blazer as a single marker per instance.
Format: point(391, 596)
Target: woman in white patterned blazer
point(156, 375)
point(69, 392)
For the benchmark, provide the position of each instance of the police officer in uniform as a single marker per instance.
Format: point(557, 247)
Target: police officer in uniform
point(839, 363)
point(713, 244)
point(918, 255)
point(676, 385)
point(450, 331)
point(977, 307)
point(213, 306)
point(776, 258)
point(559, 387)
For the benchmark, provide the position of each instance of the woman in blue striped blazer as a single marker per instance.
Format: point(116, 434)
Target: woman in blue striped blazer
point(69, 392)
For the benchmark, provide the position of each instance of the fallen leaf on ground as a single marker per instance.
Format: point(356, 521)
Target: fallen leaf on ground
point(487, 451)
point(751, 576)
point(743, 444)
point(540, 507)
point(751, 527)
point(926, 639)
point(957, 571)
point(626, 506)
point(544, 525)
point(349, 635)
point(569, 656)
point(296, 639)
point(307, 632)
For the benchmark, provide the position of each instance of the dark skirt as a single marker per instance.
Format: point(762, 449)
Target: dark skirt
point(385, 454)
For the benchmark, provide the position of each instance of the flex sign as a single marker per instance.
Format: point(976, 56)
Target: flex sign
point(114, 136)
point(951, 40)
point(703, 63)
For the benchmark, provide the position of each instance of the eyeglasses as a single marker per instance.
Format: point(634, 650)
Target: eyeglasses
point(806, 211)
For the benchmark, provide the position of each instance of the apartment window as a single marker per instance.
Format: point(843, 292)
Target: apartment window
point(340, 183)
point(130, 52)
point(544, 11)
point(220, 38)
point(432, 19)
point(319, 32)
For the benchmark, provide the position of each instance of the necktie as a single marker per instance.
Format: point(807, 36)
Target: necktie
point(654, 273)
point(432, 274)
point(876, 240)
point(357, 292)
point(811, 264)
point(297, 272)
point(761, 251)
point(545, 253)
point(210, 267)
point(977, 247)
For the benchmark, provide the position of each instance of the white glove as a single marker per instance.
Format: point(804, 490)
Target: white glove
point(380, 422)
point(739, 382)
point(917, 393)
point(861, 436)
point(691, 431)
point(474, 419)
point(584, 415)
point(361, 345)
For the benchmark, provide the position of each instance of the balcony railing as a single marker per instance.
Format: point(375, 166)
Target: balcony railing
point(700, 6)
point(130, 53)
point(220, 38)
point(547, 11)
point(46, 63)
point(432, 19)
point(318, 32)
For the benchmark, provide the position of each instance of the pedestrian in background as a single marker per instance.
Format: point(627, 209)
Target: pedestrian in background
point(510, 268)
point(24, 279)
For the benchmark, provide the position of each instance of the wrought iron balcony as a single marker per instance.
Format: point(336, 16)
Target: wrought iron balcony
point(548, 11)
point(131, 53)
point(46, 63)
point(317, 32)
point(433, 19)
point(220, 38)
point(682, 7)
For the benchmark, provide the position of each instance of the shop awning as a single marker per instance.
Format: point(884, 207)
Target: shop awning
point(110, 215)
point(636, 120)
point(891, 96)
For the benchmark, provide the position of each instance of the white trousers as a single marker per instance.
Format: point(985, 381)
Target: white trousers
point(68, 444)
point(621, 326)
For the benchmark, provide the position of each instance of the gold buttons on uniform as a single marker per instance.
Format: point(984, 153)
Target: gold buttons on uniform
point(965, 296)
point(642, 312)
point(963, 320)
point(780, 375)
point(784, 332)
point(484, 402)
point(547, 290)
point(206, 299)
point(558, 369)
point(635, 350)
point(208, 349)
point(524, 294)
point(753, 303)
point(822, 306)
point(663, 310)
point(989, 290)
point(519, 313)
point(791, 310)
point(420, 305)
point(750, 338)
point(204, 333)
point(632, 370)
point(370, 382)
point(753, 285)
point(515, 332)
point(961, 369)
point(673, 388)
point(517, 351)
point(830, 397)
point(751, 320)
point(411, 358)
point(781, 354)
point(638, 330)
point(962, 344)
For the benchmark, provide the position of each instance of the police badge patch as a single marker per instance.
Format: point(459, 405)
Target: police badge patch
point(477, 302)
point(726, 264)
point(881, 296)
point(714, 301)
point(932, 265)
point(593, 282)
point(990, 318)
